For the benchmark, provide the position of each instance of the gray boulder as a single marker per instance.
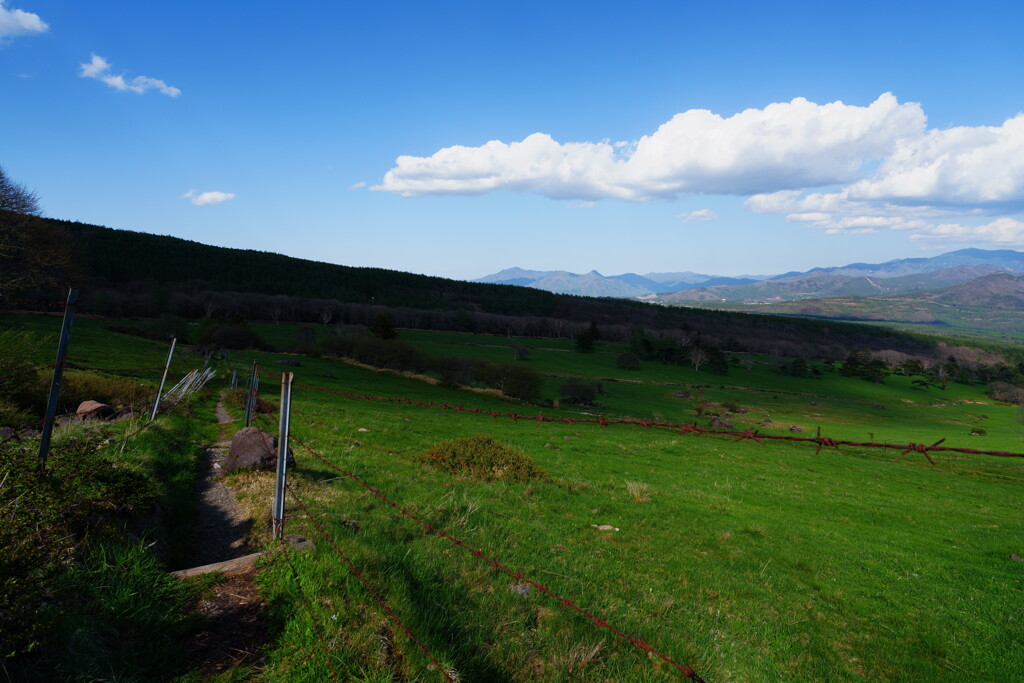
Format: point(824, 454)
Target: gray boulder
point(253, 449)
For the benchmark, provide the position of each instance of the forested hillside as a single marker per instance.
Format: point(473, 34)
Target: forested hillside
point(134, 274)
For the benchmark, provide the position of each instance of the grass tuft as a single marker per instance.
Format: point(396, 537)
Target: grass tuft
point(639, 491)
point(483, 457)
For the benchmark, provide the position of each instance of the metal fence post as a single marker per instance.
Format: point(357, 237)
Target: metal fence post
point(282, 454)
point(233, 384)
point(58, 375)
point(250, 401)
point(160, 391)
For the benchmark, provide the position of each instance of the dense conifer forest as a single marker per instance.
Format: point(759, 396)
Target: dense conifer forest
point(133, 274)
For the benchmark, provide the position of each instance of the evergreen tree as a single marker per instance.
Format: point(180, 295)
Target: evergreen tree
point(383, 327)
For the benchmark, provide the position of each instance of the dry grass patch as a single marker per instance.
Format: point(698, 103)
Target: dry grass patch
point(639, 491)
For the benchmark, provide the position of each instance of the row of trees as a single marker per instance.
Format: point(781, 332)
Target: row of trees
point(875, 367)
point(512, 379)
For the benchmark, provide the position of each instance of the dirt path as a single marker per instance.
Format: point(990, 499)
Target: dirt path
point(233, 632)
point(221, 525)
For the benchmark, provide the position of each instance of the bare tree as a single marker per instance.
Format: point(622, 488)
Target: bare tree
point(698, 357)
point(32, 252)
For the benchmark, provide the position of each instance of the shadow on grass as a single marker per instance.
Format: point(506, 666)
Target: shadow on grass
point(445, 622)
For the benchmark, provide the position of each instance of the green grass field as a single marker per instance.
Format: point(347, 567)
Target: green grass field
point(747, 562)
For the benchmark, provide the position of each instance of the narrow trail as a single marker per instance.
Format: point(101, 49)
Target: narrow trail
point(234, 631)
point(221, 525)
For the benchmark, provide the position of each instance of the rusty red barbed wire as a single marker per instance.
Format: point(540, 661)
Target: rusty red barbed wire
point(685, 671)
point(183, 362)
point(366, 585)
point(312, 618)
point(741, 435)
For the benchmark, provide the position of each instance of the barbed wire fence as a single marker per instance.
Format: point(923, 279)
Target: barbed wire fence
point(251, 399)
point(684, 671)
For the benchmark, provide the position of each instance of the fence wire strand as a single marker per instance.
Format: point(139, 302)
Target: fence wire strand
point(286, 554)
point(376, 596)
point(683, 428)
point(685, 671)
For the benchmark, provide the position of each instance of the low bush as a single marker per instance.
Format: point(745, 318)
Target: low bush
point(83, 593)
point(483, 457)
point(580, 392)
point(119, 392)
point(82, 494)
point(1008, 393)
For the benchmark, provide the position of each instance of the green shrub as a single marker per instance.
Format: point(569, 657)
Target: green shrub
point(118, 392)
point(483, 457)
point(580, 392)
point(81, 494)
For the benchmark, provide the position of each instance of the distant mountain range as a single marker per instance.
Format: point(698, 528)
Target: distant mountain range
point(992, 304)
point(626, 286)
point(892, 278)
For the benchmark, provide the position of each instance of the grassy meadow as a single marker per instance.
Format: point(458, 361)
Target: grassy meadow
point(747, 562)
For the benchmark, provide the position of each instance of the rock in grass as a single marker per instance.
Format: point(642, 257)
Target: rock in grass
point(93, 410)
point(253, 449)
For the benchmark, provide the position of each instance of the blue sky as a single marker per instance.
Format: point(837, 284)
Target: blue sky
point(458, 139)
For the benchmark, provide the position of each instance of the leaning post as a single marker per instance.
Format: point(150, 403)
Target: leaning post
point(58, 375)
point(282, 454)
point(250, 401)
point(160, 391)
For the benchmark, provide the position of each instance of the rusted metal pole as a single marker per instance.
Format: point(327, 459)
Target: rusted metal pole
point(58, 375)
point(160, 391)
point(282, 454)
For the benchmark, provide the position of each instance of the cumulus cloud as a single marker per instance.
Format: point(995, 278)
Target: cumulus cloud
point(963, 165)
point(698, 215)
point(16, 22)
point(785, 146)
point(207, 198)
point(844, 169)
point(99, 69)
point(1002, 231)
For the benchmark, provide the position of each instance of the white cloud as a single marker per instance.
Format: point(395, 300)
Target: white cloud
point(357, 186)
point(840, 168)
point(207, 198)
point(582, 205)
point(1002, 231)
point(698, 215)
point(99, 69)
point(962, 165)
point(785, 146)
point(16, 22)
